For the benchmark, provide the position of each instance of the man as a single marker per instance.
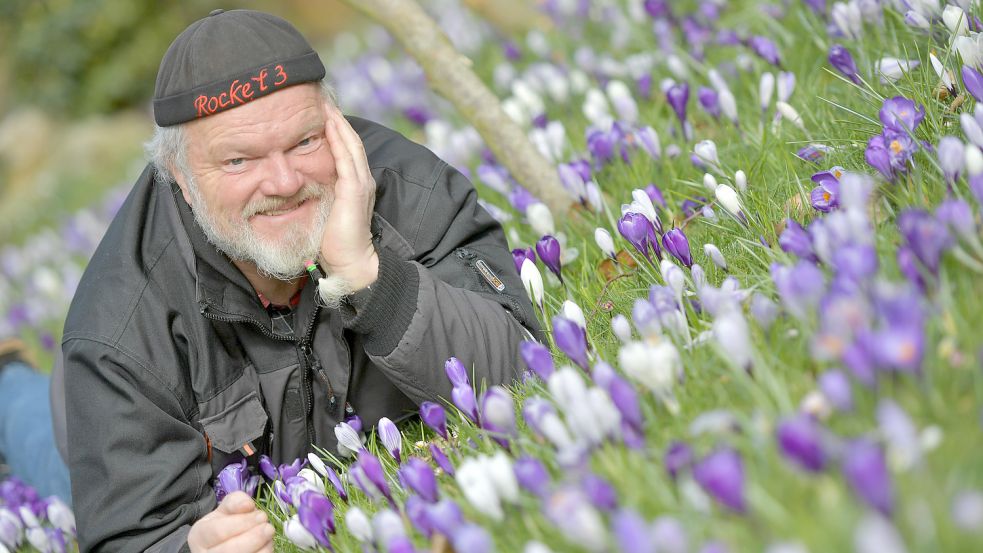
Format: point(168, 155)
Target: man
point(196, 337)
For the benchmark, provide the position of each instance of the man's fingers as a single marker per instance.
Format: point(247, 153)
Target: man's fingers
point(235, 503)
point(353, 144)
point(343, 160)
point(226, 527)
point(259, 538)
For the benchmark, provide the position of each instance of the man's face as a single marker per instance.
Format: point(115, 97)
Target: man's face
point(262, 179)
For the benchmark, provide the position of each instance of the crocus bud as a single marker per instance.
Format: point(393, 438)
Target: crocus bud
point(788, 112)
point(728, 198)
point(973, 81)
point(537, 357)
point(715, 255)
point(709, 182)
point(498, 412)
point(786, 84)
point(676, 244)
point(706, 150)
point(941, 71)
point(540, 218)
point(417, 475)
point(710, 101)
point(392, 440)
point(866, 472)
point(474, 482)
point(571, 339)
point(456, 372)
point(532, 475)
point(955, 20)
point(740, 179)
point(728, 105)
point(638, 230)
point(621, 328)
point(521, 254)
point(841, 59)
point(463, 399)
point(836, 387)
point(297, 534)
point(605, 242)
point(435, 417)
point(765, 89)
point(316, 514)
point(573, 312)
point(441, 459)
point(800, 440)
point(952, 157)
point(721, 475)
point(548, 249)
point(974, 160)
point(532, 281)
point(623, 103)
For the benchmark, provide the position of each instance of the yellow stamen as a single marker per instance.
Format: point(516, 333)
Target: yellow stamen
point(896, 146)
point(826, 196)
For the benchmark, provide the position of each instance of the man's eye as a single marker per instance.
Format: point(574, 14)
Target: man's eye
point(235, 161)
point(305, 141)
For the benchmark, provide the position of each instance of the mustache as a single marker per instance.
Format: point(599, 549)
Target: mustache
point(310, 191)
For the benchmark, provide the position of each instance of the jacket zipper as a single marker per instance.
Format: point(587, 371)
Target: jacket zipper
point(307, 358)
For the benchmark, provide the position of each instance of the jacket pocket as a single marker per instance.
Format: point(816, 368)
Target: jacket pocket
point(235, 423)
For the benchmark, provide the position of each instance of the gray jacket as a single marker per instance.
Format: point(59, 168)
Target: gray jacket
point(174, 369)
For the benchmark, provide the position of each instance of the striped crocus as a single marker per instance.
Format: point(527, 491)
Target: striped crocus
point(316, 514)
point(498, 414)
point(235, 478)
point(328, 473)
point(391, 439)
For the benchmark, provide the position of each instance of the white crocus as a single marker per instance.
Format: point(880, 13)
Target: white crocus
point(532, 280)
point(349, 442)
point(536, 547)
point(478, 489)
point(605, 242)
point(709, 181)
point(699, 276)
point(502, 476)
point(941, 71)
point(916, 20)
point(740, 179)
point(621, 328)
point(573, 312)
point(310, 476)
point(654, 366)
point(677, 67)
point(299, 535)
point(891, 69)
point(387, 525)
point(727, 197)
point(876, 534)
point(540, 219)
point(644, 202)
point(596, 109)
point(728, 104)
point(707, 151)
point(972, 130)
point(358, 524)
point(60, 515)
point(516, 112)
point(317, 464)
point(673, 276)
point(713, 252)
point(970, 48)
point(785, 84)
point(732, 334)
point(955, 20)
point(526, 96)
point(847, 18)
point(974, 160)
point(765, 89)
point(790, 113)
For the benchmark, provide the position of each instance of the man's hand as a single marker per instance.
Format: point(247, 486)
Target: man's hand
point(235, 525)
point(347, 251)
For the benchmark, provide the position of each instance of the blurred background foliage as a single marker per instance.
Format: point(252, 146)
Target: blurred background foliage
point(76, 78)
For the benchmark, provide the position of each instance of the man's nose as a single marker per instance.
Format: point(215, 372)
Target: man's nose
point(282, 178)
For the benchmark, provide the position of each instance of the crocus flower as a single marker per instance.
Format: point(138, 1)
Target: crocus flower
point(967, 510)
point(878, 156)
point(456, 372)
point(522, 200)
point(472, 537)
point(841, 59)
point(540, 218)
point(621, 327)
point(927, 238)
point(498, 413)
point(639, 232)
point(632, 532)
point(865, 470)
point(900, 114)
point(676, 244)
point(835, 386)
point(416, 510)
point(765, 89)
point(477, 486)
point(521, 254)
point(537, 358)
point(715, 255)
point(973, 81)
point(800, 286)
point(532, 281)
point(235, 478)
point(295, 531)
point(445, 516)
point(670, 535)
point(800, 440)
point(605, 242)
point(952, 157)
point(417, 475)
point(316, 514)
point(706, 150)
point(825, 197)
point(678, 456)
point(548, 249)
point(958, 217)
point(392, 440)
point(728, 198)
point(532, 475)
point(441, 459)
point(721, 475)
point(710, 101)
point(433, 415)
point(463, 399)
point(373, 471)
point(765, 49)
point(571, 511)
point(571, 339)
point(10, 528)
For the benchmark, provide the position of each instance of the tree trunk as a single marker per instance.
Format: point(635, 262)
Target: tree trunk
point(449, 73)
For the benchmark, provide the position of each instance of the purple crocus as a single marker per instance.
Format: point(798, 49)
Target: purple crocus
point(655, 194)
point(878, 156)
point(865, 470)
point(472, 538)
point(900, 114)
point(765, 49)
point(235, 478)
point(520, 199)
point(417, 511)
point(456, 372)
point(532, 475)
point(282, 472)
point(958, 217)
point(721, 475)
point(639, 232)
point(332, 477)
point(825, 197)
point(632, 532)
point(709, 100)
point(433, 415)
point(836, 387)
point(678, 96)
point(316, 514)
point(538, 358)
point(600, 492)
point(441, 459)
point(417, 475)
point(974, 82)
point(521, 254)
point(841, 59)
point(952, 157)
point(445, 516)
point(800, 286)
point(678, 456)
point(800, 440)
point(372, 470)
point(927, 238)
point(498, 414)
point(463, 398)
point(676, 244)
point(797, 241)
point(548, 249)
point(571, 339)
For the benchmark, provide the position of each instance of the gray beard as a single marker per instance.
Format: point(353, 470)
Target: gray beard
point(281, 260)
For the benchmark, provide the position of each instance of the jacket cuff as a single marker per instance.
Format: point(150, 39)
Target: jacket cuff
point(382, 312)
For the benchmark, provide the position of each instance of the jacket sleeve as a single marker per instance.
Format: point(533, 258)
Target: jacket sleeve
point(459, 296)
point(138, 470)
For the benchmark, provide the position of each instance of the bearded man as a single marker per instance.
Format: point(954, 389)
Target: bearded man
point(198, 337)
